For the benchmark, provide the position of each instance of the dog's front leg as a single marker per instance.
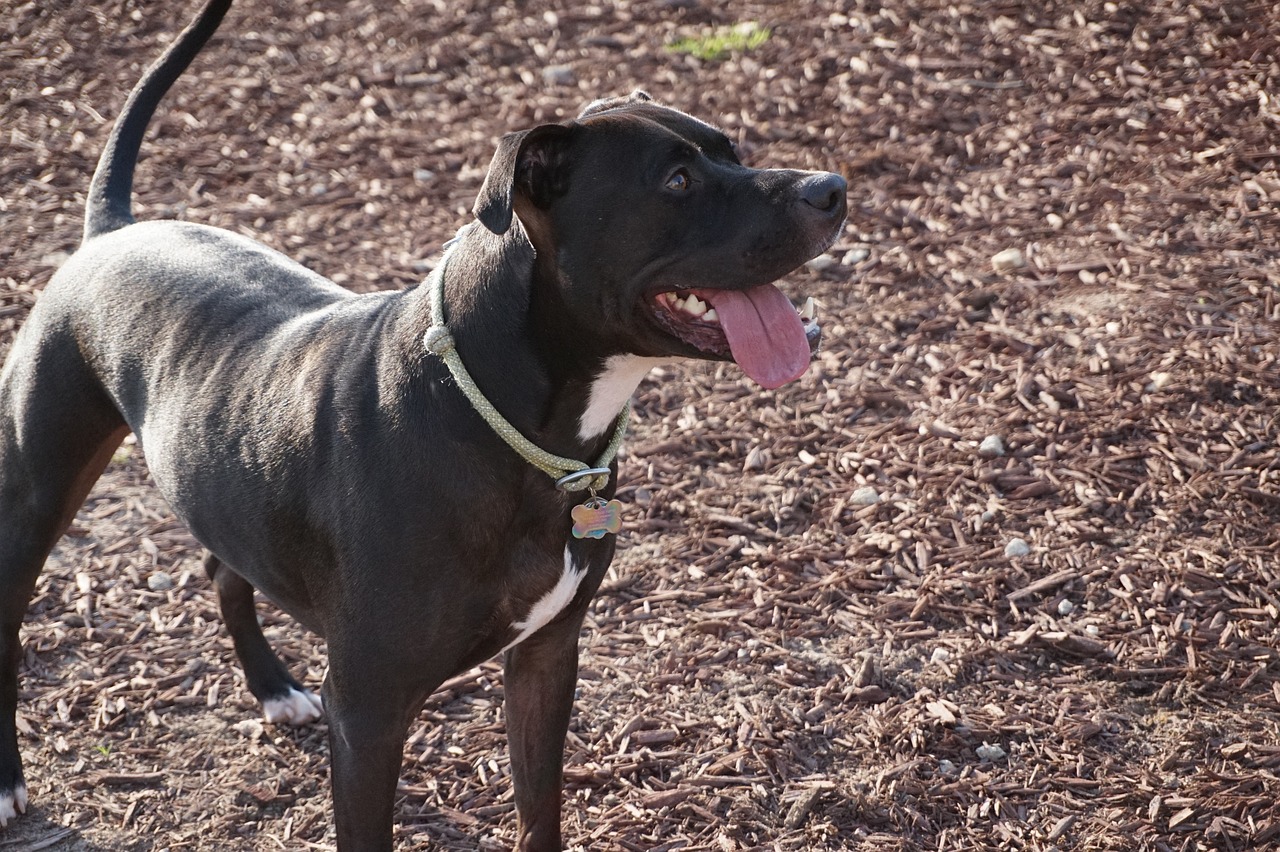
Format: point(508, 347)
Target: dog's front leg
point(539, 680)
point(369, 707)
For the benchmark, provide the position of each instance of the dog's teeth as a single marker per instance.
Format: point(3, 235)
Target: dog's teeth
point(690, 304)
point(810, 309)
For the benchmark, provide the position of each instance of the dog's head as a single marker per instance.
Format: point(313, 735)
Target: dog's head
point(659, 233)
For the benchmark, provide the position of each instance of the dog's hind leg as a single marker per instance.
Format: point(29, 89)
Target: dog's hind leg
point(283, 699)
point(58, 430)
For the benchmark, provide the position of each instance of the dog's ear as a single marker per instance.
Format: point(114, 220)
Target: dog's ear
point(531, 162)
point(606, 104)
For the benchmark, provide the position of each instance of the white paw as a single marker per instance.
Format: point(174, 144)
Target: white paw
point(12, 804)
point(296, 708)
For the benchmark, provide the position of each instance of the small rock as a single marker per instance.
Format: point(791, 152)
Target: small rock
point(864, 496)
point(159, 581)
point(821, 263)
point(1016, 547)
point(946, 767)
point(991, 447)
point(1065, 607)
point(559, 75)
point(990, 753)
point(1008, 260)
point(423, 175)
point(251, 729)
point(940, 655)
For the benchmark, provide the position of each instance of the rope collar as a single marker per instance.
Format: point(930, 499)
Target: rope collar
point(569, 474)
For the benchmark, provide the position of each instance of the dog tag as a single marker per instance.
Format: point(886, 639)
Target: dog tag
point(596, 517)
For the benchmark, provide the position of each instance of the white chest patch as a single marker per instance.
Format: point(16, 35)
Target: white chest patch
point(614, 386)
point(552, 603)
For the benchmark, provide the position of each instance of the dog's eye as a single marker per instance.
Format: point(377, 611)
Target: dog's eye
point(680, 180)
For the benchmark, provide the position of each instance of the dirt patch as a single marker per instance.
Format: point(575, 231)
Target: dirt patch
point(815, 637)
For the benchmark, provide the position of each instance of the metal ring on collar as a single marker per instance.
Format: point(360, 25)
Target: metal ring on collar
point(568, 481)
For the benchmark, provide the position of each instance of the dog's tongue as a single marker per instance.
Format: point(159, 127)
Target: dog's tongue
point(764, 332)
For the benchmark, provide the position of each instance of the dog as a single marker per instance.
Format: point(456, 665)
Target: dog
point(424, 477)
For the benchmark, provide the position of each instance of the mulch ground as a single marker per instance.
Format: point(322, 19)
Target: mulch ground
point(1000, 572)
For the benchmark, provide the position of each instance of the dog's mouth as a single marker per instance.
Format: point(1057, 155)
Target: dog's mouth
point(758, 328)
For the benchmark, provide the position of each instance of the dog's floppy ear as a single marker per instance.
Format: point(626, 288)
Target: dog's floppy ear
point(528, 161)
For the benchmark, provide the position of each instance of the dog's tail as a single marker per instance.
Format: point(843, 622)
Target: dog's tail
point(109, 205)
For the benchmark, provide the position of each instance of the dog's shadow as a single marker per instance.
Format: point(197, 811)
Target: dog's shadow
point(35, 831)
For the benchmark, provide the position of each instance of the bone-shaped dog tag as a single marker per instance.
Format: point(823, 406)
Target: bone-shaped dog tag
point(596, 517)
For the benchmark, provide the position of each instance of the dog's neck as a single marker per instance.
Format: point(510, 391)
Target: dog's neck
point(550, 382)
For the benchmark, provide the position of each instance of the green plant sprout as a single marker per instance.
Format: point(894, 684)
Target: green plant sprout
point(723, 41)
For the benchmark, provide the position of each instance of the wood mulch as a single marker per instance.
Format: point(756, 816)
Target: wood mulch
point(1000, 572)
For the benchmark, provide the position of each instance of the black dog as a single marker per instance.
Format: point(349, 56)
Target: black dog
point(323, 445)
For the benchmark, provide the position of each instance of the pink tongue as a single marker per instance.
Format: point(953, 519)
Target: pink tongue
point(764, 332)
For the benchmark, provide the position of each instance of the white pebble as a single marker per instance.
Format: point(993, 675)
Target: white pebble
point(864, 496)
point(251, 729)
point(159, 581)
point(821, 263)
point(1065, 607)
point(1158, 381)
point(939, 655)
point(991, 447)
point(946, 767)
point(1016, 547)
point(1008, 260)
point(989, 752)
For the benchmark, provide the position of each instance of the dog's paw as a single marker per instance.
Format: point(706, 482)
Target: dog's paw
point(12, 803)
point(299, 707)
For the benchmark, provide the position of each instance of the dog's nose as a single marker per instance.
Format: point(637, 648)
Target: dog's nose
point(825, 192)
